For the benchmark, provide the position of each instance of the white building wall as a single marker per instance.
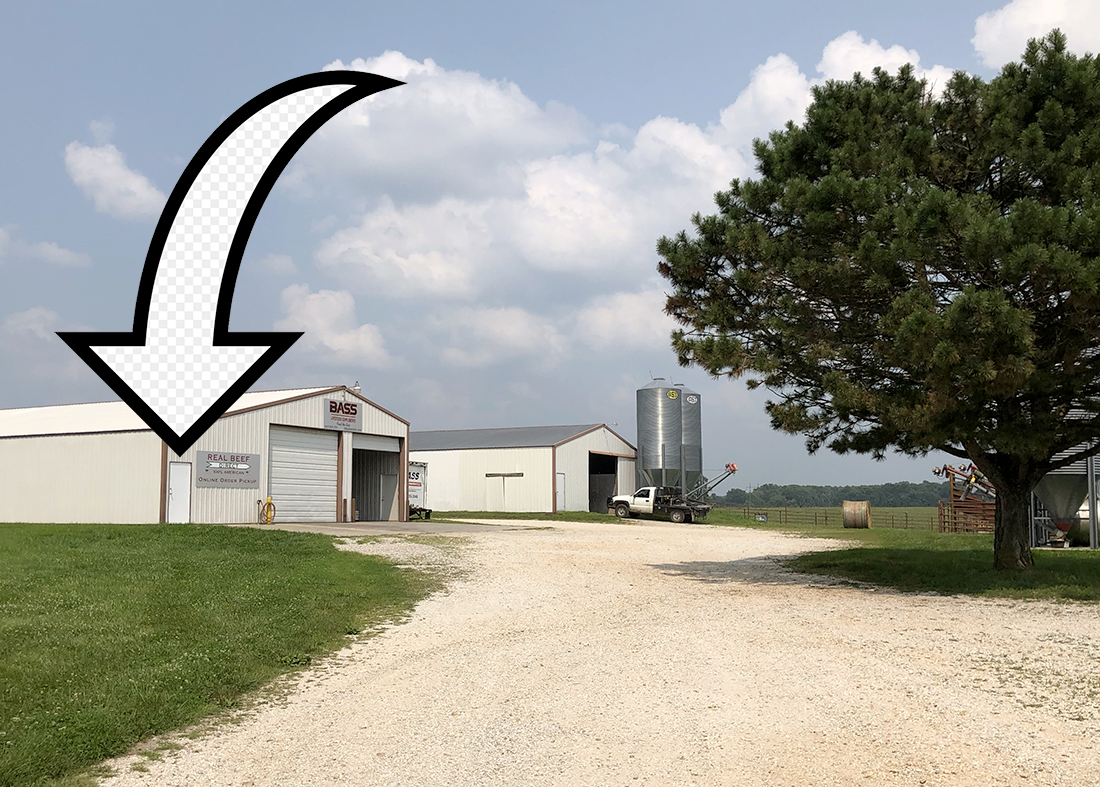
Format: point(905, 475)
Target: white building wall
point(108, 477)
point(572, 460)
point(626, 476)
point(457, 479)
point(248, 433)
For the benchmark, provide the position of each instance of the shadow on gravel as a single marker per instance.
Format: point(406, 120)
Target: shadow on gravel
point(967, 571)
point(766, 570)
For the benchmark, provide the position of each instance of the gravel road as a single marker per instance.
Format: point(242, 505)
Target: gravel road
point(655, 654)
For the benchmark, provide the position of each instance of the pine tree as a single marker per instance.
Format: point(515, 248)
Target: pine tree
point(915, 273)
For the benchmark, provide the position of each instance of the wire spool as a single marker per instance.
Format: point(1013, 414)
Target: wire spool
point(857, 513)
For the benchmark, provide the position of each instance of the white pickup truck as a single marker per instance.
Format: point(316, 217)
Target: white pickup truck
point(662, 501)
point(658, 501)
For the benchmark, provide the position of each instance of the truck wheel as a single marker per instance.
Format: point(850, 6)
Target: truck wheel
point(622, 510)
point(678, 516)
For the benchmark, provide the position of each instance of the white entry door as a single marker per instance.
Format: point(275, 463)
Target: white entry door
point(389, 495)
point(179, 491)
point(559, 489)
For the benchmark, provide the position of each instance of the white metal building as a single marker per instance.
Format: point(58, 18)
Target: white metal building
point(531, 468)
point(321, 454)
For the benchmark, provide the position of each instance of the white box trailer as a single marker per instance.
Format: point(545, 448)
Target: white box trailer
point(418, 490)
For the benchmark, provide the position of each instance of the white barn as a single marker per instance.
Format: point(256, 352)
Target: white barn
point(321, 454)
point(529, 468)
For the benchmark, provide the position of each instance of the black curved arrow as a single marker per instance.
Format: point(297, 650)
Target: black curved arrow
point(181, 378)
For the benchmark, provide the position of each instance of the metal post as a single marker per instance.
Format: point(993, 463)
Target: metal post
point(1094, 532)
point(1034, 529)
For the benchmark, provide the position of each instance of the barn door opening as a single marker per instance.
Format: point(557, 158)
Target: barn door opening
point(602, 477)
point(374, 485)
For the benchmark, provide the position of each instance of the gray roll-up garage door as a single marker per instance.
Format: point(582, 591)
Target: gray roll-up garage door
point(302, 474)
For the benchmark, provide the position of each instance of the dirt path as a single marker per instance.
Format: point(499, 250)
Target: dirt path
point(676, 655)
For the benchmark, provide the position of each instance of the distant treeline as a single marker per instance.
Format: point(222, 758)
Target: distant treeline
point(902, 493)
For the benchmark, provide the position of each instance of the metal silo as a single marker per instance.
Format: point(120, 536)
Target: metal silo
point(1062, 493)
point(692, 436)
point(660, 435)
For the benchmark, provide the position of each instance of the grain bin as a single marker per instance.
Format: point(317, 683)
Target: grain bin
point(660, 435)
point(691, 436)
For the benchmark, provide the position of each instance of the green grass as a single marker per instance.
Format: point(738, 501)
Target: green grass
point(948, 563)
point(919, 517)
point(110, 634)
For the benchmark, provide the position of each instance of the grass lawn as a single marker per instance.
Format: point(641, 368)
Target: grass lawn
point(949, 563)
point(110, 634)
point(912, 517)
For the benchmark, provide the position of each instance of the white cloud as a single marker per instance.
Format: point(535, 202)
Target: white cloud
point(438, 250)
point(277, 264)
point(849, 53)
point(38, 322)
point(777, 92)
point(626, 321)
point(495, 186)
point(102, 130)
point(444, 133)
point(1002, 35)
point(14, 247)
point(332, 330)
point(484, 337)
point(114, 188)
point(48, 251)
point(30, 349)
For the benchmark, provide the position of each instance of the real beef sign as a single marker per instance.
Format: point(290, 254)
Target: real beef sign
point(345, 416)
point(227, 469)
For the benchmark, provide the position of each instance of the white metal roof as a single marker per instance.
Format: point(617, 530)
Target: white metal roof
point(114, 416)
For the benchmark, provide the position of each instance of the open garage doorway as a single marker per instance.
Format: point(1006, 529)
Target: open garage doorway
point(602, 476)
point(374, 485)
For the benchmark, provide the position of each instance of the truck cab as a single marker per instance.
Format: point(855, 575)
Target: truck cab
point(641, 502)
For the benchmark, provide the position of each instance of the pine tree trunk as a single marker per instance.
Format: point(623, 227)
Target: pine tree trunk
point(1012, 530)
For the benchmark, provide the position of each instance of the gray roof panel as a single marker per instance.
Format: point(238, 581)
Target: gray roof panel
point(508, 437)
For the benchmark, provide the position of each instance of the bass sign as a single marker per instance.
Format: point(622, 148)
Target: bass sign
point(345, 416)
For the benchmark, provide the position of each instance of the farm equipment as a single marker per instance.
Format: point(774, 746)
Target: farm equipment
point(969, 479)
point(668, 501)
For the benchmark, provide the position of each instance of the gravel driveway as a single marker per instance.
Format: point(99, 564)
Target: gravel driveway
point(631, 654)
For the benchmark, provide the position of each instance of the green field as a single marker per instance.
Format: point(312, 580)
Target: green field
point(918, 518)
point(110, 634)
point(903, 517)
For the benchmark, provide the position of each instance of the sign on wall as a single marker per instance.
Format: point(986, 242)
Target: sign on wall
point(227, 470)
point(345, 416)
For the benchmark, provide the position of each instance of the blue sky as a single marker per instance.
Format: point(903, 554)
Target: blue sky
point(476, 248)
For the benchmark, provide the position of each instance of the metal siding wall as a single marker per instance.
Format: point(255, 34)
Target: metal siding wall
point(573, 461)
point(626, 477)
point(444, 491)
point(248, 433)
point(458, 481)
point(111, 477)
